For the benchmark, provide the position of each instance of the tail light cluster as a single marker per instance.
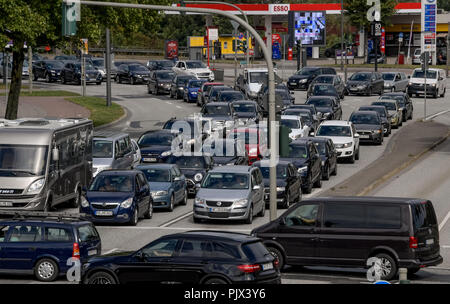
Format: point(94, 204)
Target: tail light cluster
point(413, 243)
point(249, 268)
point(276, 263)
point(76, 250)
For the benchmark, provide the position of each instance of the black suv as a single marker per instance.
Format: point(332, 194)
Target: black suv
point(195, 257)
point(160, 81)
point(50, 70)
point(133, 73)
point(328, 154)
point(302, 78)
point(178, 84)
point(404, 101)
point(382, 111)
point(72, 73)
point(347, 231)
point(304, 155)
point(288, 183)
point(365, 83)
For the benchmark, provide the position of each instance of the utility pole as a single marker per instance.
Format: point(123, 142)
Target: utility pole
point(108, 67)
point(83, 74)
point(448, 51)
point(30, 70)
point(342, 35)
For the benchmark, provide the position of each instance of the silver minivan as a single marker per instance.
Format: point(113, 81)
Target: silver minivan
point(230, 193)
point(113, 151)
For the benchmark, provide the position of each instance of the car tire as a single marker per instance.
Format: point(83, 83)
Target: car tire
point(411, 115)
point(135, 218)
point(171, 204)
point(327, 174)
point(47, 78)
point(196, 220)
point(276, 253)
point(63, 79)
point(185, 199)
point(443, 93)
point(98, 82)
point(46, 270)
point(101, 277)
point(357, 154)
point(249, 218)
point(262, 213)
point(352, 158)
point(149, 214)
point(35, 77)
point(215, 281)
point(388, 263)
point(393, 89)
point(369, 93)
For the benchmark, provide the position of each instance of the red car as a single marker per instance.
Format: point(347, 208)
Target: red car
point(204, 92)
point(255, 141)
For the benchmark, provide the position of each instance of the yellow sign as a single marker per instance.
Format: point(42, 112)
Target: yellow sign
point(84, 46)
point(404, 28)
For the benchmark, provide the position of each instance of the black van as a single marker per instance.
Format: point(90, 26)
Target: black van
point(347, 231)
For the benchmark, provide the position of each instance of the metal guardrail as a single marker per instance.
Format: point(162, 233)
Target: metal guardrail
point(181, 51)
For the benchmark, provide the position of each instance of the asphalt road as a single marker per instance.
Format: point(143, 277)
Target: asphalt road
point(146, 112)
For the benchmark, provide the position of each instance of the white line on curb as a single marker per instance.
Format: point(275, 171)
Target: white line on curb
point(442, 224)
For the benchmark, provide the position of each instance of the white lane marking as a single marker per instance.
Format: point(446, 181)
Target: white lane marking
point(446, 246)
point(178, 107)
point(442, 224)
point(435, 115)
point(110, 251)
point(174, 228)
point(177, 219)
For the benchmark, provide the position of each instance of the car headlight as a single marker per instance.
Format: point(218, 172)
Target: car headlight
point(159, 193)
point(198, 177)
point(167, 153)
point(281, 189)
point(302, 169)
point(229, 123)
point(303, 80)
point(323, 163)
point(347, 145)
point(326, 114)
point(200, 202)
point(377, 131)
point(433, 84)
point(36, 186)
point(362, 87)
point(161, 84)
point(84, 202)
point(127, 203)
point(241, 203)
point(253, 151)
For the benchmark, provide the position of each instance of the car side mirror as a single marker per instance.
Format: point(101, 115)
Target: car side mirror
point(312, 134)
point(441, 78)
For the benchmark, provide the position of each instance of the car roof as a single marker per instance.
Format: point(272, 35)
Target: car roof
point(217, 235)
point(118, 172)
point(233, 169)
point(373, 106)
point(289, 117)
point(245, 102)
point(365, 199)
point(109, 135)
point(280, 162)
point(336, 123)
point(218, 103)
point(161, 131)
point(43, 221)
point(367, 112)
point(320, 97)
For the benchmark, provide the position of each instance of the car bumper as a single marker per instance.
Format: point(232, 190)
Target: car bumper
point(298, 85)
point(352, 90)
point(419, 263)
point(281, 196)
point(27, 203)
point(344, 152)
point(161, 202)
point(119, 215)
point(373, 137)
point(231, 214)
point(421, 90)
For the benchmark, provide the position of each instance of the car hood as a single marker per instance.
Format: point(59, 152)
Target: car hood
point(109, 197)
point(218, 117)
point(201, 70)
point(298, 162)
point(390, 82)
point(111, 257)
point(366, 127)
point(159, 185)
point(222, 194)
point(10, 182)
point(338, 139)
point(102, 162)
point(324, 109)
point(190, 173)
point(297, 77)
point(254, 87)
point(165, 81)
point(245, 115)
point(357, 82)
point(193, 90)
point(280, 182)
point(392, 112)
point(223, 160)
point(155, 149)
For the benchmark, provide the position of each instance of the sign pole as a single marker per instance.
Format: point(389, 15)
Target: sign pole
point(108, 67)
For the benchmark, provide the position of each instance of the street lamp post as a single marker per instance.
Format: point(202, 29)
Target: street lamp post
point(271, 77)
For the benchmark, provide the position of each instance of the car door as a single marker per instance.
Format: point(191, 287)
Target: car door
point(151, 264)
point(137, 155)
point(141, 194)
point(316, 169)
point(332, 154)
point(191, 260)
point(299, 232)
point(176, 184)
point(128, 151)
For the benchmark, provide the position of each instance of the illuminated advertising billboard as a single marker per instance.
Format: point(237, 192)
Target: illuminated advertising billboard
point(309, 27)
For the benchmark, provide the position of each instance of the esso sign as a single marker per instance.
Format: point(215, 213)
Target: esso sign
point(281, 9)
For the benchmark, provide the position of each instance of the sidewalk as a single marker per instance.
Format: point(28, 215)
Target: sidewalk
point(45, 107)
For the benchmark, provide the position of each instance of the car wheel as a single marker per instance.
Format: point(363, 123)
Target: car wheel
point(149, 213)
point(393, 89)
point(443, 93)
point(63, 78)
point(196, 220)
point(326, 175)
point(352, 158)
point(46, 270)
point(318, 183)
point(185, 199)
point(172, 203)
point(249, 218)
point(35, 77)
point(411, 115)
point(102, 278)
point(149, 91)
point(120, 79)
point(135, 218)
point(357, 155)
point(215, 281)
point(388, 266)
point(263, 210)
point(98, 82)
point(277, 255)
point(369, 93)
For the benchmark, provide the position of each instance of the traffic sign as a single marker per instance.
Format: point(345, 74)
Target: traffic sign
point(376, 29)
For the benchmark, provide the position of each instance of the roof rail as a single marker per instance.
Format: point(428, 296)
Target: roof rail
point(47, 215)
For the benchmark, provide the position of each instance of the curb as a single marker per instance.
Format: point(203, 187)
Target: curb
point(389, 175)
point(118, 120)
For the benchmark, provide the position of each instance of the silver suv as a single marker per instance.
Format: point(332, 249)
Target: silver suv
point(230, 193)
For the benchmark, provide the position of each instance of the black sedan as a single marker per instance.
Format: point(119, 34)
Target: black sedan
point(324, 89)
point(50, 70)
point(383, 115)
point(72, 73)
point(328, 154)
point(160, 81)
point(178, 84)
point(405, 103)
point(334, 80)
point(327, 106)
point(230, 96)
point(365, 83)
point(369, 126)
point(216, 90)
point(302, 78)
point(156, 145)
point(194, 257)
point(132, 73)
point(288, 183)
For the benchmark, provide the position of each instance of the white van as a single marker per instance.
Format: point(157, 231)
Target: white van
point(435, 83)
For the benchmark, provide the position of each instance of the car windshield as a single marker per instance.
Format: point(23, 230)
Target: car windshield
point(360, 76)
point(258, 77)
point(183, 81)
point(244, 108)
point(321, 147)
point(195, 84)
point(421, 74)
point(165, 76)
point(226, 181)
point(290, 123)
point(324, 79)
point(215, 91)
point(325, 102)
point(389, 105)
point(306, 71)
point(165, 64)
point(325, 130)
point(216, 110)
point(98, 63)
point(281, 171)
point(364, 119)
point(304, 114)
point(319, 89)
point(188, 162)
point(54, 65)
point(380, 111)
point(388, 76)
point(22, 160)
point(231, 96)
point(155, 139)
point(399, 98)
point(156, 175)
point(102, 149)
point(112, 183)
point(195, 65)
point(298, 151)
point(138, 68)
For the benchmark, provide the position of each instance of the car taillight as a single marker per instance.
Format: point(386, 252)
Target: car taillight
point(413, 243)
point(276, 263)
point(249, 268)
point(76, 250)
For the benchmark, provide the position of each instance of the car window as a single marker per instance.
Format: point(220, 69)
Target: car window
point(344, 216)
point(87, 233)
point(303, 216)
point(195, 249)
point(25, 233)
point(162, 248)
point(3, 232)
point(255, 251)
point(225, 251)
point(57, 234)
point(383, 217)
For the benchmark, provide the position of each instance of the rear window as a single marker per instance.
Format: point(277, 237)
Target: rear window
point(225, 251)
point(58, 234)
point(87, 233)
point(423, 215)
point(255, 251)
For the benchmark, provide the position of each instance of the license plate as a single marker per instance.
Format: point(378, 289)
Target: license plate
point(103, 213)
point(219, 209)
point(364, 136)
point(92, 252)
point(267, 266)
point(429, 242)
point(353, 89)
point(6, 204)
point(293, 83)
point(149, 159)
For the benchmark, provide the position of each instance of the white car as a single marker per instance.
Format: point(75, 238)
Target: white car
point(435, 83)
point(195, 68)
point(344, 137)
point(251, 81)
point(298, 128)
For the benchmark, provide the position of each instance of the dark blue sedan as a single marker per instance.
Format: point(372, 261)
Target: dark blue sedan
point(167, 184)
point(118, 196)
